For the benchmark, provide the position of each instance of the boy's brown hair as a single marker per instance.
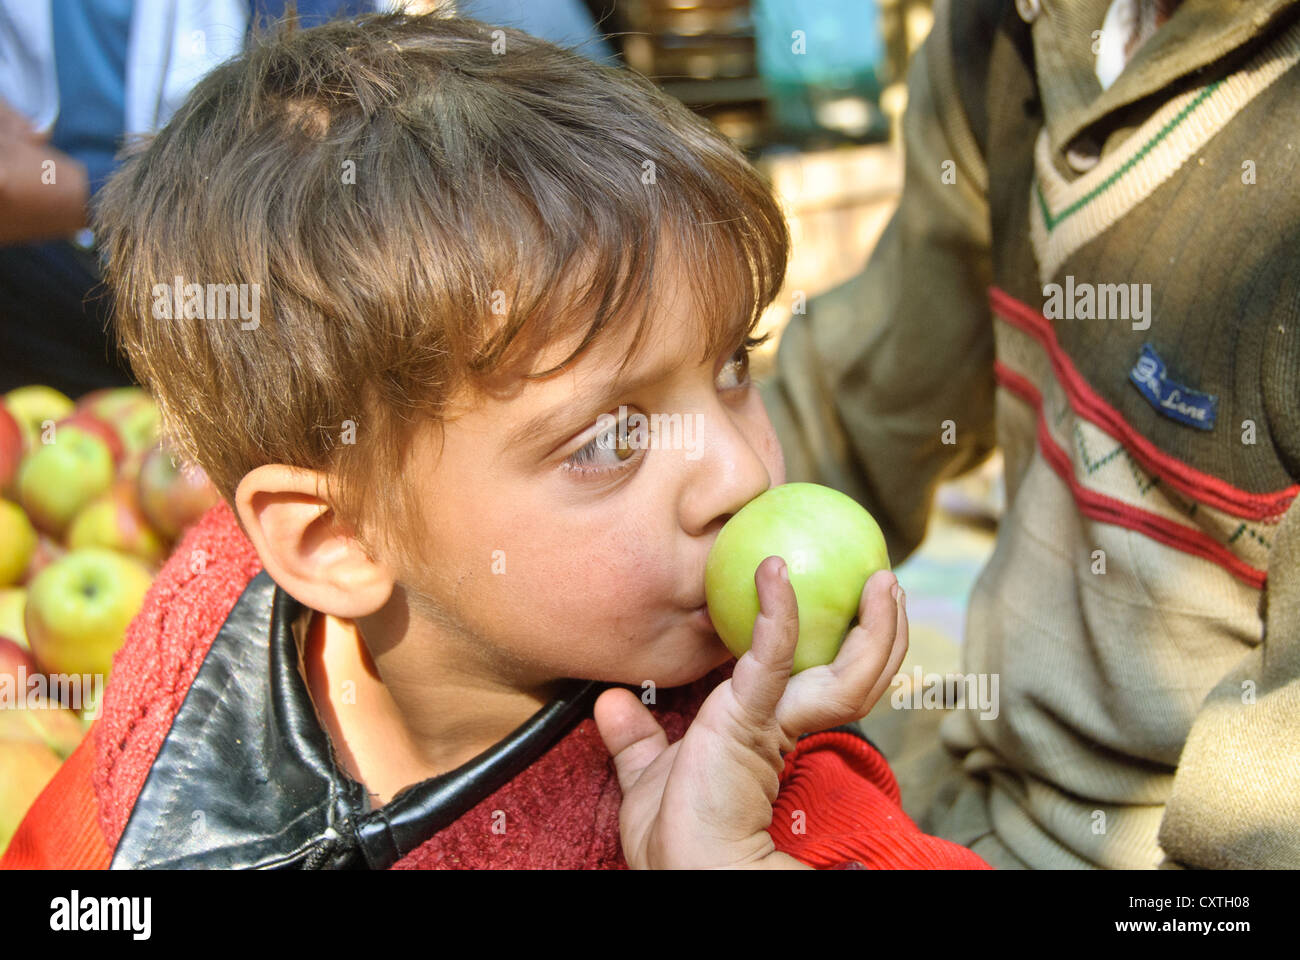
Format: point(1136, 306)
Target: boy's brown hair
point(388, 183)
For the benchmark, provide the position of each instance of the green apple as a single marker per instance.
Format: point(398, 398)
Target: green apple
point(31, 406)
point(13, 605)
point(78, 609)
point(17, 542)
point(85, 420)
point(57, 479)
point(830, 545)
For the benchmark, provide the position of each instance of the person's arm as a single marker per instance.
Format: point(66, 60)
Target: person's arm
point(1236, 795)
point(43, 191)
point(866, 379)
point(839, 804)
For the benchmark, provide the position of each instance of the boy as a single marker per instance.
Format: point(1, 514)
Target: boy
point(455, 249)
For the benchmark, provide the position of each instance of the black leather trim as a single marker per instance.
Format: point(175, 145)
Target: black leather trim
point(246, 777)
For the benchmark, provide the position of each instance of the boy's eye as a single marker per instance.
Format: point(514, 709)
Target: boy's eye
point(610, 449)
point(735, 372)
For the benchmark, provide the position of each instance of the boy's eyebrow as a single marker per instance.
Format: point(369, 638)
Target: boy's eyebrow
point(560, 414)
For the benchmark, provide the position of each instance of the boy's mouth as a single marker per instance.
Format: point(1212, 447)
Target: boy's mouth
point(700, 618)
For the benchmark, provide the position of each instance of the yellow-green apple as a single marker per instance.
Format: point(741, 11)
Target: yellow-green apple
point(57, 479)
point(131, 411)
point(32, 405)
point(114, 520)
point(13, 604)
point(11, 450)
point(47, 551)
point(25, 769)
point(48, 724)
point(830, 545)
point(100, 427)
point(17, 542)
point(78, 609)
point(173, 497)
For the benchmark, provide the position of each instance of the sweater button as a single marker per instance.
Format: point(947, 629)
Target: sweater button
point(1083, 154)
point(1028, 10)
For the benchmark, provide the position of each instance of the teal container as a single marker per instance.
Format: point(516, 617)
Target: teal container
point(823, 63)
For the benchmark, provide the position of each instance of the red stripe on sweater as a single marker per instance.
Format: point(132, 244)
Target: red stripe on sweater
point(1110, 510)
point(1089, 404)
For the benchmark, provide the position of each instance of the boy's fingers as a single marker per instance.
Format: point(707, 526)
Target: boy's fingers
point(867, 648)
point(896, 656)
point(760, 677)
point(631, 733)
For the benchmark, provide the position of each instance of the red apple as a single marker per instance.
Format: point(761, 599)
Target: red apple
point(47, 551)
point(114, 520)
point(57, 479)
point(25, 770)
point(173, 498)
point(17, 542)
point(12, 656)
point(78, 609)
point(11, 451)
point(26, 712)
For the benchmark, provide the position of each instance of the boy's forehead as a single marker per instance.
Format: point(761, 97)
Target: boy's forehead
point(605, 371)
point(671, 321)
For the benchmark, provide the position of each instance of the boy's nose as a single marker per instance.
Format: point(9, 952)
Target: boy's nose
point(729, 474)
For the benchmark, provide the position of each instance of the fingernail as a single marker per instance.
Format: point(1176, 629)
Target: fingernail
point(901, 597)
point(785, 572)
point(765, 593)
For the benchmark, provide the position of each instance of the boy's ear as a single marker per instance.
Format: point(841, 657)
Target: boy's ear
point(303, 547)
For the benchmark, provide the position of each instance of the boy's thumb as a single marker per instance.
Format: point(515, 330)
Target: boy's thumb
point(631, 733)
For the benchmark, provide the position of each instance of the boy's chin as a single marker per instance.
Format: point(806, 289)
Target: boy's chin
point(703, 661)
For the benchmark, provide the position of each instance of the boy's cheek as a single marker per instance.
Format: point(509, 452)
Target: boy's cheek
point(772, 454)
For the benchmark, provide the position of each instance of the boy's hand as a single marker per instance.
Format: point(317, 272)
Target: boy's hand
point(706, 800)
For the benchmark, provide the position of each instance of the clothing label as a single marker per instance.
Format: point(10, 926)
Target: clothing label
point(1174, 400)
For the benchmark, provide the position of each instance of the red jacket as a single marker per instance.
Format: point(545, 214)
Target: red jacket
point(561, 811)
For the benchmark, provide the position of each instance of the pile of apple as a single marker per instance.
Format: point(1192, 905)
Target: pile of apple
point(91, 505)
